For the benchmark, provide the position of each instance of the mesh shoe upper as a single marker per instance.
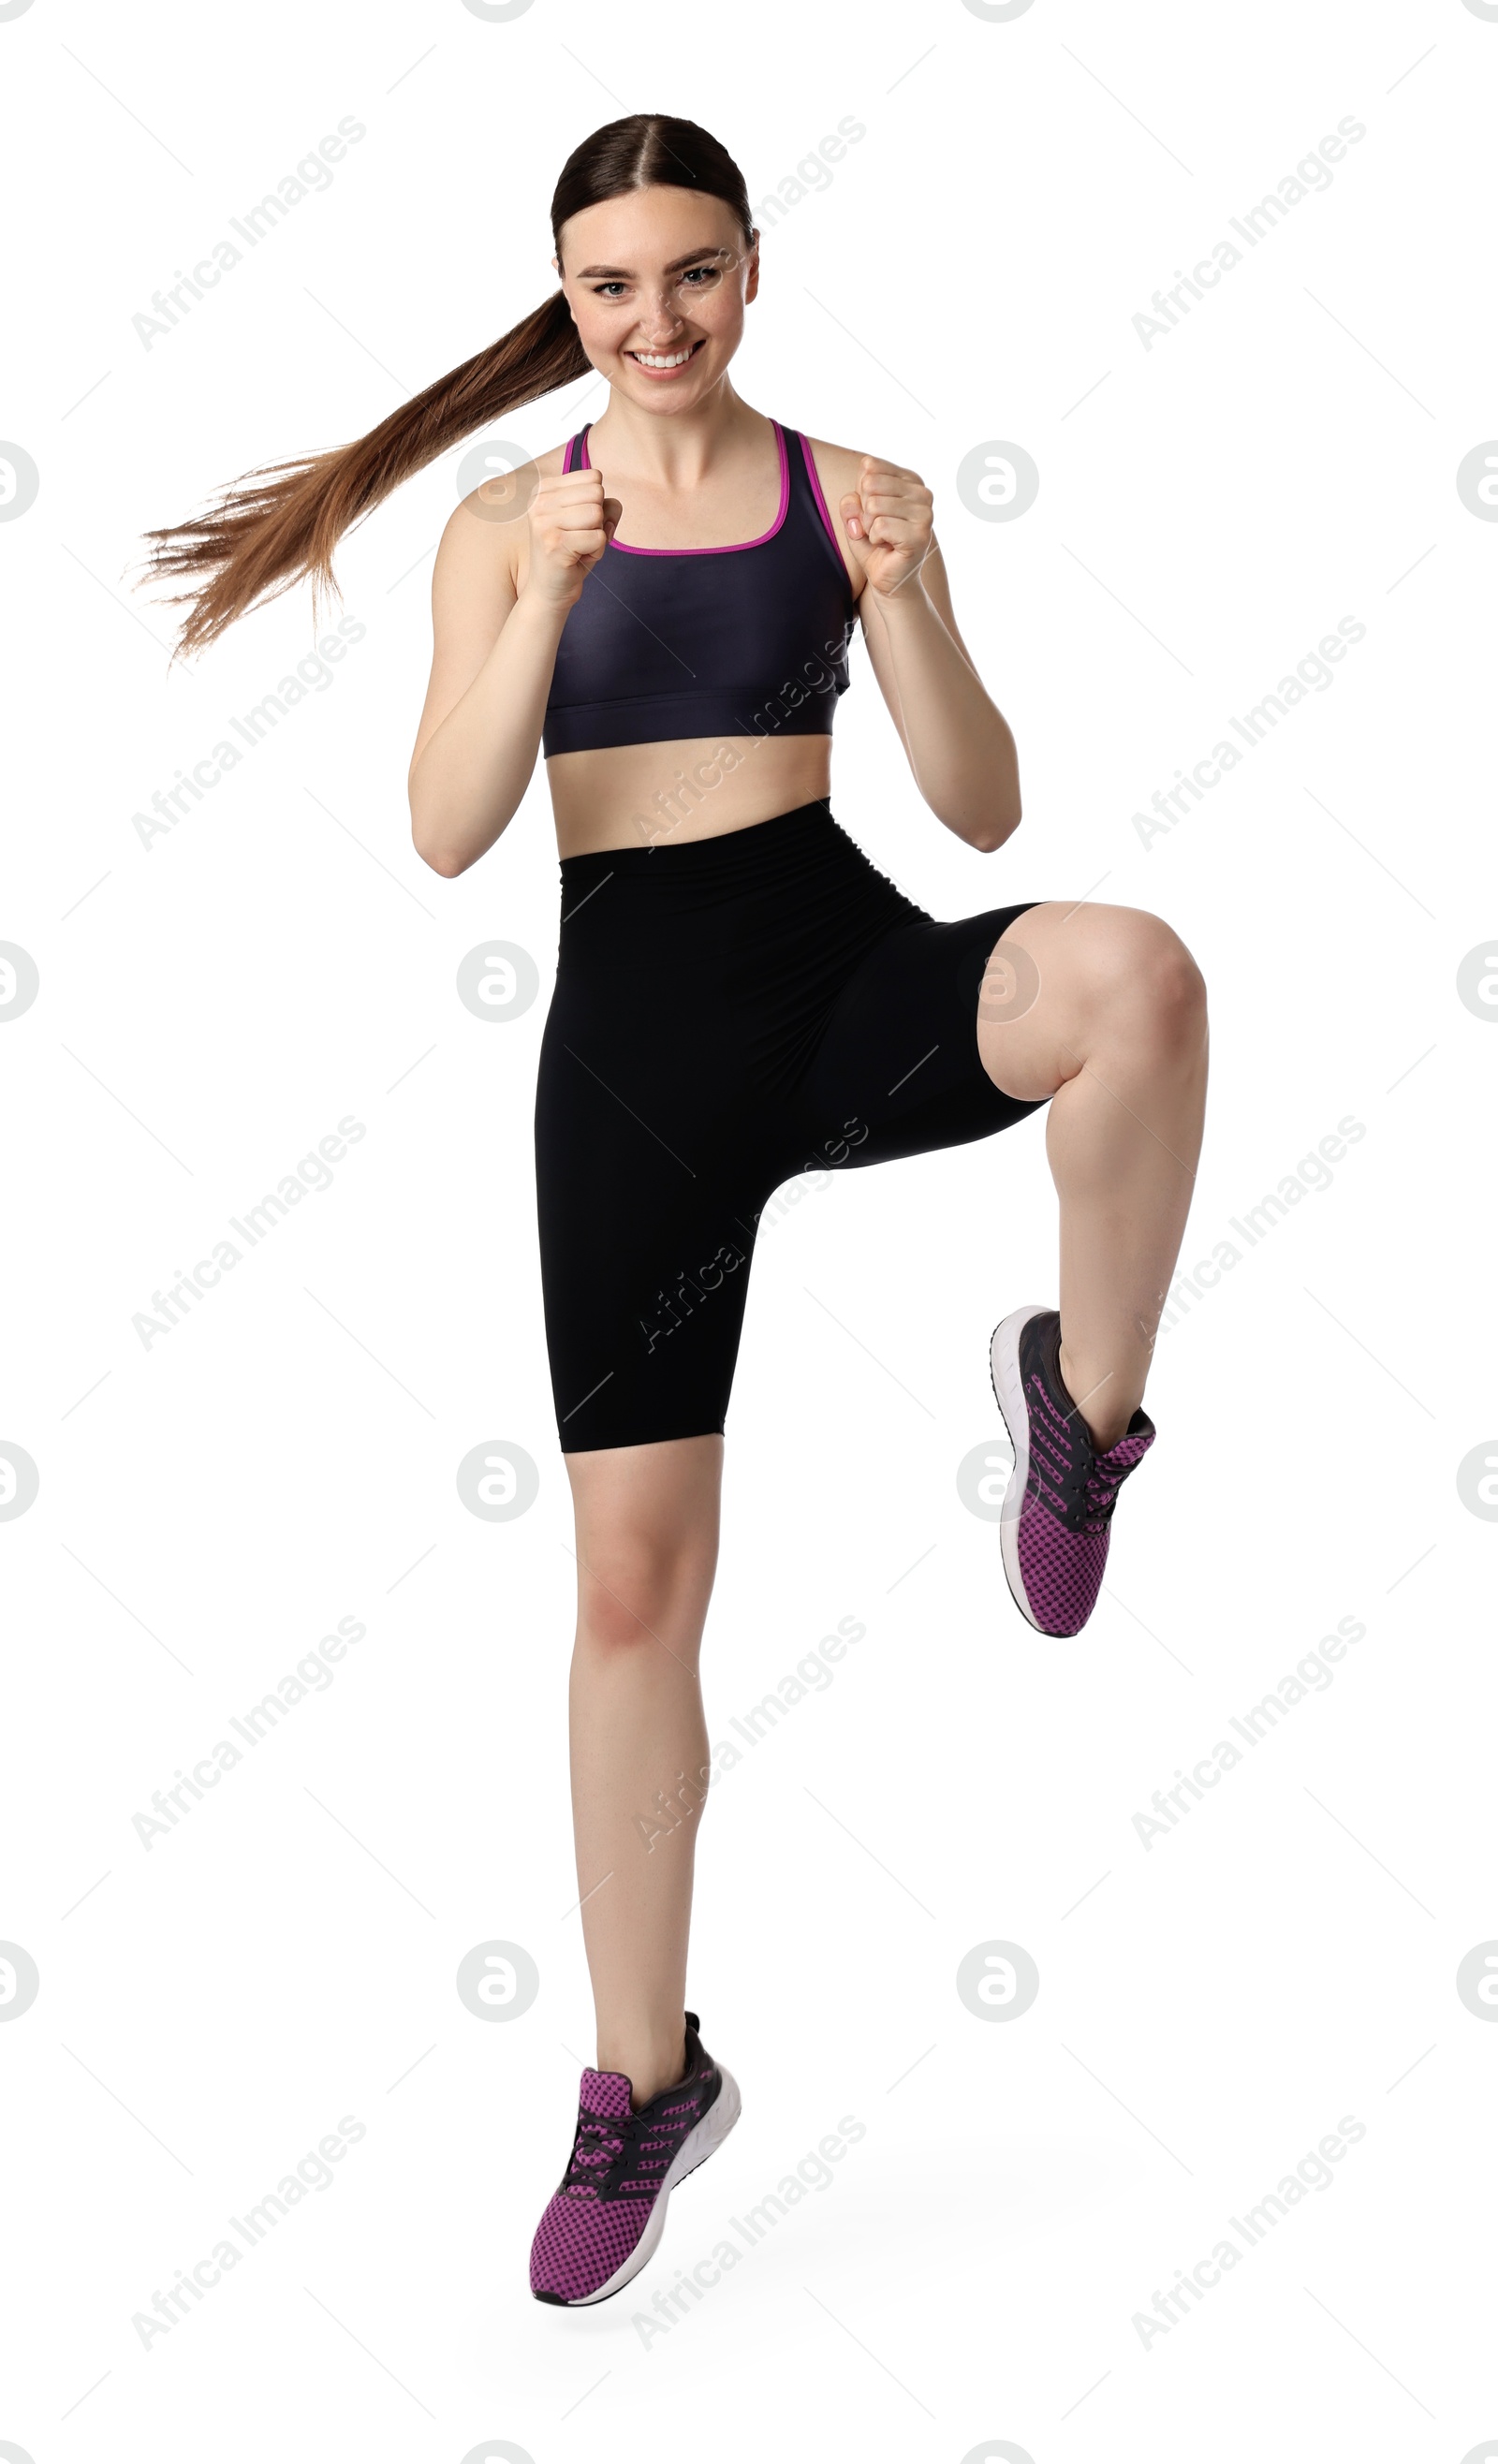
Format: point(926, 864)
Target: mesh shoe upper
point(619, 2160)
point(1071, 1490)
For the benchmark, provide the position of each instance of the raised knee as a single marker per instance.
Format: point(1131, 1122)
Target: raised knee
point(1155, 980)
point(1177, 985)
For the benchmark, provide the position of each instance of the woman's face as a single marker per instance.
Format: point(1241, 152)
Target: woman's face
point(658, 281)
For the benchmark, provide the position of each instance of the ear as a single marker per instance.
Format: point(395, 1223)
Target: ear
point(751, 284)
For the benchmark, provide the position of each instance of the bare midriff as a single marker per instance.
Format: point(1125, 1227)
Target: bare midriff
point(697, 787)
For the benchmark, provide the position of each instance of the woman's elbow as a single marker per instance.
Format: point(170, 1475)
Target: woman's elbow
point(995, 830)
point(438, 845)
point(445, 860)
point(435, 852)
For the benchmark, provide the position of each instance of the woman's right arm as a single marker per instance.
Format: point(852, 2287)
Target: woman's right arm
point(495, 646)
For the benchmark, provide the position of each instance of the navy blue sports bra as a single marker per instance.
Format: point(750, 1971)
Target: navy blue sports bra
point(667, 642)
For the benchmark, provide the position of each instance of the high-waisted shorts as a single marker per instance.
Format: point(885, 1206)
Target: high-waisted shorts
point(728, 1014)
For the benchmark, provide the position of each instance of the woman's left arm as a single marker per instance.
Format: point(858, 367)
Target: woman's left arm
point(959, 744)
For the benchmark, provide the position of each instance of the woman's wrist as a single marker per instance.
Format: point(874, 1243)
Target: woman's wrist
point(908, 594)
point(541, 614)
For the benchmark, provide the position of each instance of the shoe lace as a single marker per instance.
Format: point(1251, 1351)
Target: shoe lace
point(601, 2151)
point(1084, 1486)
point(620, 2151)
point(1073, 1480)
point(1097, 1492)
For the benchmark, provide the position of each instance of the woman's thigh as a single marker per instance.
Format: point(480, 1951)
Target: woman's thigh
point(898, 1069)
point(648, 1179)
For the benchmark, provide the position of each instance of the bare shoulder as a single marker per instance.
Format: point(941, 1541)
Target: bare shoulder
point(843, 463)
point(481, 554)
point(837, 467)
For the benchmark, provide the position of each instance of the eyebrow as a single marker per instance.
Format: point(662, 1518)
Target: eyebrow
point(623, 273)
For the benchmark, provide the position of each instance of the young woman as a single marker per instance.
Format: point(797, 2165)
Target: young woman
point(666, 617)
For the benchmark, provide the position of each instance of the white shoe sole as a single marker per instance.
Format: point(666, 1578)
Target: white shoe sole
point(1003, 1363)
point(696, 2148)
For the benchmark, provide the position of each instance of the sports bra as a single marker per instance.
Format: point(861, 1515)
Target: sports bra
point(668, 641)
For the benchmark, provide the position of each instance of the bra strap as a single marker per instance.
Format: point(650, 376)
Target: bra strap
point(805, 484)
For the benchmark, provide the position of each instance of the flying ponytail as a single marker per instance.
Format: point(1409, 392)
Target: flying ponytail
point(281, 524)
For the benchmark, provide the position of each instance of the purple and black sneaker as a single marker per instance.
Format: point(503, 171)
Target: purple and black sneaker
point(1054, 1529)
point(602, 2225)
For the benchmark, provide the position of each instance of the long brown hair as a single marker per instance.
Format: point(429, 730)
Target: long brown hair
point(281, 524)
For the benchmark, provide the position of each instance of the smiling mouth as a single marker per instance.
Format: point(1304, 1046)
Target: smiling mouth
point(666, 363)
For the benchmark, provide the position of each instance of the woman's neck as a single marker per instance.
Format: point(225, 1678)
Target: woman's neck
point(677, 451)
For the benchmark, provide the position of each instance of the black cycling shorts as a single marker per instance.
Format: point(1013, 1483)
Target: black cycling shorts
point(728, 1013)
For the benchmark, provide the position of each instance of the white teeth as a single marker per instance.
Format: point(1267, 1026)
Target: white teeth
point(661, 359)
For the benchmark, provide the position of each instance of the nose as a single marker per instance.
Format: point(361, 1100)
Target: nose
point(661, 322)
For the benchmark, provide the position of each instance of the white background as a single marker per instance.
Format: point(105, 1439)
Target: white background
point(211, 1005)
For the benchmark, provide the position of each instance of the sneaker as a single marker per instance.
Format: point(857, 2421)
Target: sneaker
point(1060, 1501)
point(603, 2222)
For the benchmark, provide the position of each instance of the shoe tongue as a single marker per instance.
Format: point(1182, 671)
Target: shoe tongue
point(606, 2091)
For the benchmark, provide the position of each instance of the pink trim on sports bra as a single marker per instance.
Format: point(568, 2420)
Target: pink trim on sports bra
point(822, 502)
point(739, 545)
